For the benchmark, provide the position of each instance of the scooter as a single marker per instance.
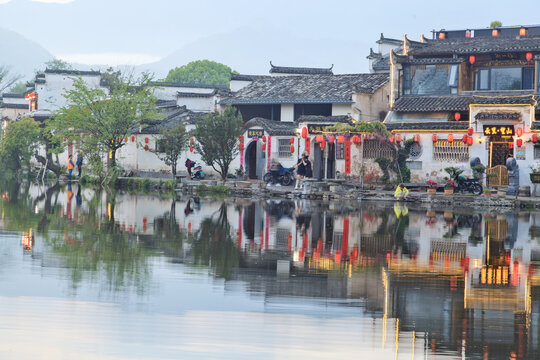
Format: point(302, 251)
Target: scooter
point(197, 172)
point(279, 174)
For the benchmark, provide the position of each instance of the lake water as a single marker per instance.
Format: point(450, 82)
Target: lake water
point(90, 275)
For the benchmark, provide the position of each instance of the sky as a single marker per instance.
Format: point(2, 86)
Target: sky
point(143, 31)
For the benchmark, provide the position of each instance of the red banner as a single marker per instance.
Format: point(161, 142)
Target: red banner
point(347, 156)
point(308, 145)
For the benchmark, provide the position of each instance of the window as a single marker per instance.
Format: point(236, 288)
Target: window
point(455, 151)
point(537, 152)
point(340, 151)
point(504, 78)
point(430, 79)
point(374, 149)
point(160, 145)
point(284, 148)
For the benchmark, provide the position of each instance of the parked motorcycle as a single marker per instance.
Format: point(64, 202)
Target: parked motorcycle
point(197, 172)
point(472, 185)
point(279, 175)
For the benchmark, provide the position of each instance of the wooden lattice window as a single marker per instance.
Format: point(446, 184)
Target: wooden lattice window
point(374, 149)
point(455, 151)
point(284, 148)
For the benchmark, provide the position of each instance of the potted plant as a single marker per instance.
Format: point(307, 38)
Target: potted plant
point(432, 187)
point(449, 187)
point(535, 174)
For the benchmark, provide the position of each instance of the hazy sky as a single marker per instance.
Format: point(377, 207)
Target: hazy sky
point(138, 31)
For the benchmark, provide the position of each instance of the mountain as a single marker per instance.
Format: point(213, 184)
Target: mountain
point(250, 51)
point(24, 56)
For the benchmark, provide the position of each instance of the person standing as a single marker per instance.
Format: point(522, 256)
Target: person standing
point(79, 163)
point(309, 170)
point(70, 166)
point(300, 171)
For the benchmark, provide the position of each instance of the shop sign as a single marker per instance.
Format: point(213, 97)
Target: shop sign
point(347, 156)
point(503, 130)
point(520, 153)
point(255, 133)
point(316, 128)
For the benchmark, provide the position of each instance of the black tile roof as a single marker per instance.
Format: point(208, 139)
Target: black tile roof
point(196, 95)
point(325, 119)
point(73, 72)
point(188, 85)
point(173, 116)
point(454, 102)
point(428, 125)
point(13, 106)
point(300, 70)
point(480, 45)
point(506, 115)
point(430, 60)
point(273, 127)
point(307, 89)
point(245, 77)
point(381, 64)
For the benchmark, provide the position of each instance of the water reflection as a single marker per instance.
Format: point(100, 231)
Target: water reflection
point(409, 282)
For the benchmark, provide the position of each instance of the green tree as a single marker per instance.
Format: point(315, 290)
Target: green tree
point(7, 78)
point(201, 72)
point(172, 143)
point(18, 88)
point(57, 64)
point(217, 139)
point(495, 24)
point(99, 120)
point(20, 140)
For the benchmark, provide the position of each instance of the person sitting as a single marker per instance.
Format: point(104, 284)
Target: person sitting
point(401, 192)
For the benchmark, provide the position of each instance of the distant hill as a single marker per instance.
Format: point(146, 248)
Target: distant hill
point(23, 55)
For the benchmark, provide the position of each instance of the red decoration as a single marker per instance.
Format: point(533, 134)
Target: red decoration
point(523, 31)
point(145, 147)
point(468, 34)
point(519, 142)
point(347, 155)
point(470, 131)
point(434, 137)
point(308, 145)
point(528, 56)
point(323, 144)
point(331, 139)
point(304, 133)
point(319, 138)
point(132, 138)
point(356, 139)
point(450, 137)
point(391, 139)
point(472, 59)
point(469, 140)
point(126, 139)
point(263, 147)
point(417, 138)
point(441, 36)
point(292, 149)
point(510, 145)
point(146, 140)
point(264, 138)
point(398, 138)
point(534, 138)
point(292, 140)
point(341, 139)
point(494, 32)
point(465, 137)
point(191, 140)
point(457, 116)
point(519, 132)
point(241, 147)
point(191, 149)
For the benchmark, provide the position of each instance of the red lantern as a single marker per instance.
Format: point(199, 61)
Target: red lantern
point(304, 132)
point(450, 137)
point(417, 138)
point(398, 138)
point(441, 35)
point(341, 139)
point(510, 145)
point(292, 149)
point(465, 137)
point(528, 56)
point(323, 144)
point(355, 139)
point(263, 147)
point(126, 139)
point(519, 132)
point(457, 116)
point(146, 140)
point(264, 138)
point(319, 138)
point(469, 140)
point(523, 31)
point(391, 139)
point(472, 59)
point(468, 34)
point(534, 138)
point(470, 131)
point(494, 32)
point(292, 140)
point(434, 137)
point(145, 147)
point(132, 138)
point(331, 139)
point(519, 142)
point(191, 149)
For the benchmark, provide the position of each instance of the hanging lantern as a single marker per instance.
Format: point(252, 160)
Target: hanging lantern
point(417, 138)
point(457, 116)
point(145, 147)
point(319, 138)
point(528, 56)
point(494, 32)
point(510, 145)
point(468, 34)
point(191, 140)
point(355, 139)
point(391, 139)
point(534, 138)
point(398, 138)
point(519, 132)
point(132, 138)
point(292, 140)
point(472, 59)
point(464, 139)
point(241, 138)
point(341, 139)
point(434, 137)
point(304, 132)
point(470, 131)
point(146, 140)
point(519, 142)
point(523, 31)
point(441, 36)
point(469, 140)
point(323, 144)
point(292, 149)
point(264, 138)
point(263, 147)
point(331, 139)
point(450, 137)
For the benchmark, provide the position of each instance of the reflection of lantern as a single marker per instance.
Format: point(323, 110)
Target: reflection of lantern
point(434, 137)
point(331, 139)
point(341, 139)
point(355, 139)
point(398, 138)
point(417, 138)
point(191, 149)
point(450, 137)
point(465, 137)
point(519, 132)
point(145, 147)
point(469, 140)
point(528, 56)
point(472, 59)
point(510, 145)
point(263, 147)
point(319, 138)
point(534, 138)
point(304, 132)
point(519, 142)
point(126, 139)
point(457, 116)
point(470, 131)
point(292, 149)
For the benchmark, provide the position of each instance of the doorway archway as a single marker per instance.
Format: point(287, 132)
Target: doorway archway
point(254, 159)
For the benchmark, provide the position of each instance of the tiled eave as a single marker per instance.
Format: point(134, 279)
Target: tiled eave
point(283, 101)
point(428, 126)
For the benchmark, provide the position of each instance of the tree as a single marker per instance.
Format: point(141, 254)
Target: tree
point(217, 136)
point(495, 24)
point(7, 78)
point(20, 140)
point(172, 143)
point(99, 120)
point(18, 88)
point(57, 64)
point(201, 72)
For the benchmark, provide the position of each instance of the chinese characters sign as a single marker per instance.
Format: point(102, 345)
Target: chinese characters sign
point(316, 128)
point(255, 133)
point(347, 156)
point(503, 130)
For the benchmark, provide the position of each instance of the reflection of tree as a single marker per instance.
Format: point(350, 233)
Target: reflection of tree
point(214, 245)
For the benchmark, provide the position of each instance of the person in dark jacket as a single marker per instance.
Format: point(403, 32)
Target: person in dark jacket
point(79, 163)
point(300, 171)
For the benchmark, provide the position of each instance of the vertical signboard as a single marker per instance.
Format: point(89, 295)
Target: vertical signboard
point(347, 156)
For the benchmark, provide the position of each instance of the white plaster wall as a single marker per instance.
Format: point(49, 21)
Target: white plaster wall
point(236, 85)
point(170, 92)
point(50, 94)
point(287, 112)
point(10, 100)
point(12, 114)
point(197, 104)
point(342, 109)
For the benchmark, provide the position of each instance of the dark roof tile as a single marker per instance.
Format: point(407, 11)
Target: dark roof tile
point(428, 125)
point(455, 102)
point(325, 119)
point(273, 127)
point(479, 45)
point(300, 70)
